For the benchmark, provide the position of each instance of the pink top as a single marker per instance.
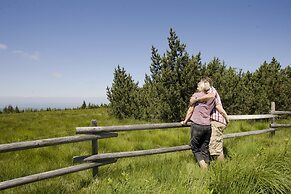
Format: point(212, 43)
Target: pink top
point(202, 110)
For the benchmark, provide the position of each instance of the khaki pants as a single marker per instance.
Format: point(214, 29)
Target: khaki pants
point(216, 140)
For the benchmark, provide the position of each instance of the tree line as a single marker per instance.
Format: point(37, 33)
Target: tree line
point(10, 109)
point(173, 79)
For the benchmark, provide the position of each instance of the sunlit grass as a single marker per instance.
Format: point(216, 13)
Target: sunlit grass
point(254, 164)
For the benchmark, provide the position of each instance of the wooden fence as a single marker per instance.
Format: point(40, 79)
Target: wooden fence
point(94, 132)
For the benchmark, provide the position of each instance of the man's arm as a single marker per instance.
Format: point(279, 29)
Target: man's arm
point(220, 109)
point(188, 114)
point(204, 98)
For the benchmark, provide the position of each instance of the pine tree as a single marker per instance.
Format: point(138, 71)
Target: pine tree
point(230, 81)
point(245, 96)
point(16, 110)
point(190, 76)
point(123, 95)
point(286, 96)
point(268, 86)
point(216, 70)
point(165, 84)
point(8, 109)
point(84, 105)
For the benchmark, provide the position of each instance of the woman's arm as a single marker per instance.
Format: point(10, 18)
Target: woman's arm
point(188, 115)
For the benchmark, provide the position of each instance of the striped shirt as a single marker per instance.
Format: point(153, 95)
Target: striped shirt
point(215, 115)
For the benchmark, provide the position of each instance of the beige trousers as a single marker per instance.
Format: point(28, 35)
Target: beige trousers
point(216, 140)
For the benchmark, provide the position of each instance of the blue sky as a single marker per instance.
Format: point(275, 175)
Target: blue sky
point(61, 51)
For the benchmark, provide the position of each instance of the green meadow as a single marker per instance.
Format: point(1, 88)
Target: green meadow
point(254, 164)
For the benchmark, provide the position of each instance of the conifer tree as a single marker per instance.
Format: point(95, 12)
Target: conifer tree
point(123, 95)
point(8, 109)
point(149, 94)
point(245, 96)
point(16, 110)
point(229, 83)
point(216, 69)
point(286, 73)
point(166, 81)
point(268, 86)
point(84, 105)
point(190, 76)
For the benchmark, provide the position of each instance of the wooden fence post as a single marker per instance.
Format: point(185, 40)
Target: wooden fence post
point(273, 109)
point(94, 149)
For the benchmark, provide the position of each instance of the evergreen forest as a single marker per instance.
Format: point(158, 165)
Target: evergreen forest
point(173, 79)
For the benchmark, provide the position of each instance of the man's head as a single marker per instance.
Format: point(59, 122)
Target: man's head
point(207, 79)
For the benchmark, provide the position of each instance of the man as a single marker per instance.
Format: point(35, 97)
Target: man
point(219, 120)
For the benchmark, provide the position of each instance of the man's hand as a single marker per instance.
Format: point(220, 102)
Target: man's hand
point(227, 119)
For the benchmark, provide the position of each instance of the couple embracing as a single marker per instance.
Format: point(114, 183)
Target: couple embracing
point(208, 120)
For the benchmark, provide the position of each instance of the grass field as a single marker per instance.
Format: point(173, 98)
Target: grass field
point(254, 164)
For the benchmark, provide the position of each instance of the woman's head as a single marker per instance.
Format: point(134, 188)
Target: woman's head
point(203, 86)
point(200, 86)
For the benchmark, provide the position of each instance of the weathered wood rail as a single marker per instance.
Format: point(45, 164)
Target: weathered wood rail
point(95, 132)
point(51, 174)
point(52, 141)
point(166, 150)
point(279, 125)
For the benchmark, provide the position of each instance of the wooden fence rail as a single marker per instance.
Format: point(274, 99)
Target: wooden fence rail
point(274, 125)
point(108, 158)
point(120, 128)
point(94, 133)
point(248, 133)
point(94, 130)
point(52, 141)
point(50, 174)
point(281, 112)
point(166, 150)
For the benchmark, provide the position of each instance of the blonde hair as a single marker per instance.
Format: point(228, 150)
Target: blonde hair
point(203, 86)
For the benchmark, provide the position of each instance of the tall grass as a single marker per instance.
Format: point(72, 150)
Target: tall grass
point(259, 170)
point(254, 164)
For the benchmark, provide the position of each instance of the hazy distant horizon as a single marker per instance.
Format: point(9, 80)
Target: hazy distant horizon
point(49, 102)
